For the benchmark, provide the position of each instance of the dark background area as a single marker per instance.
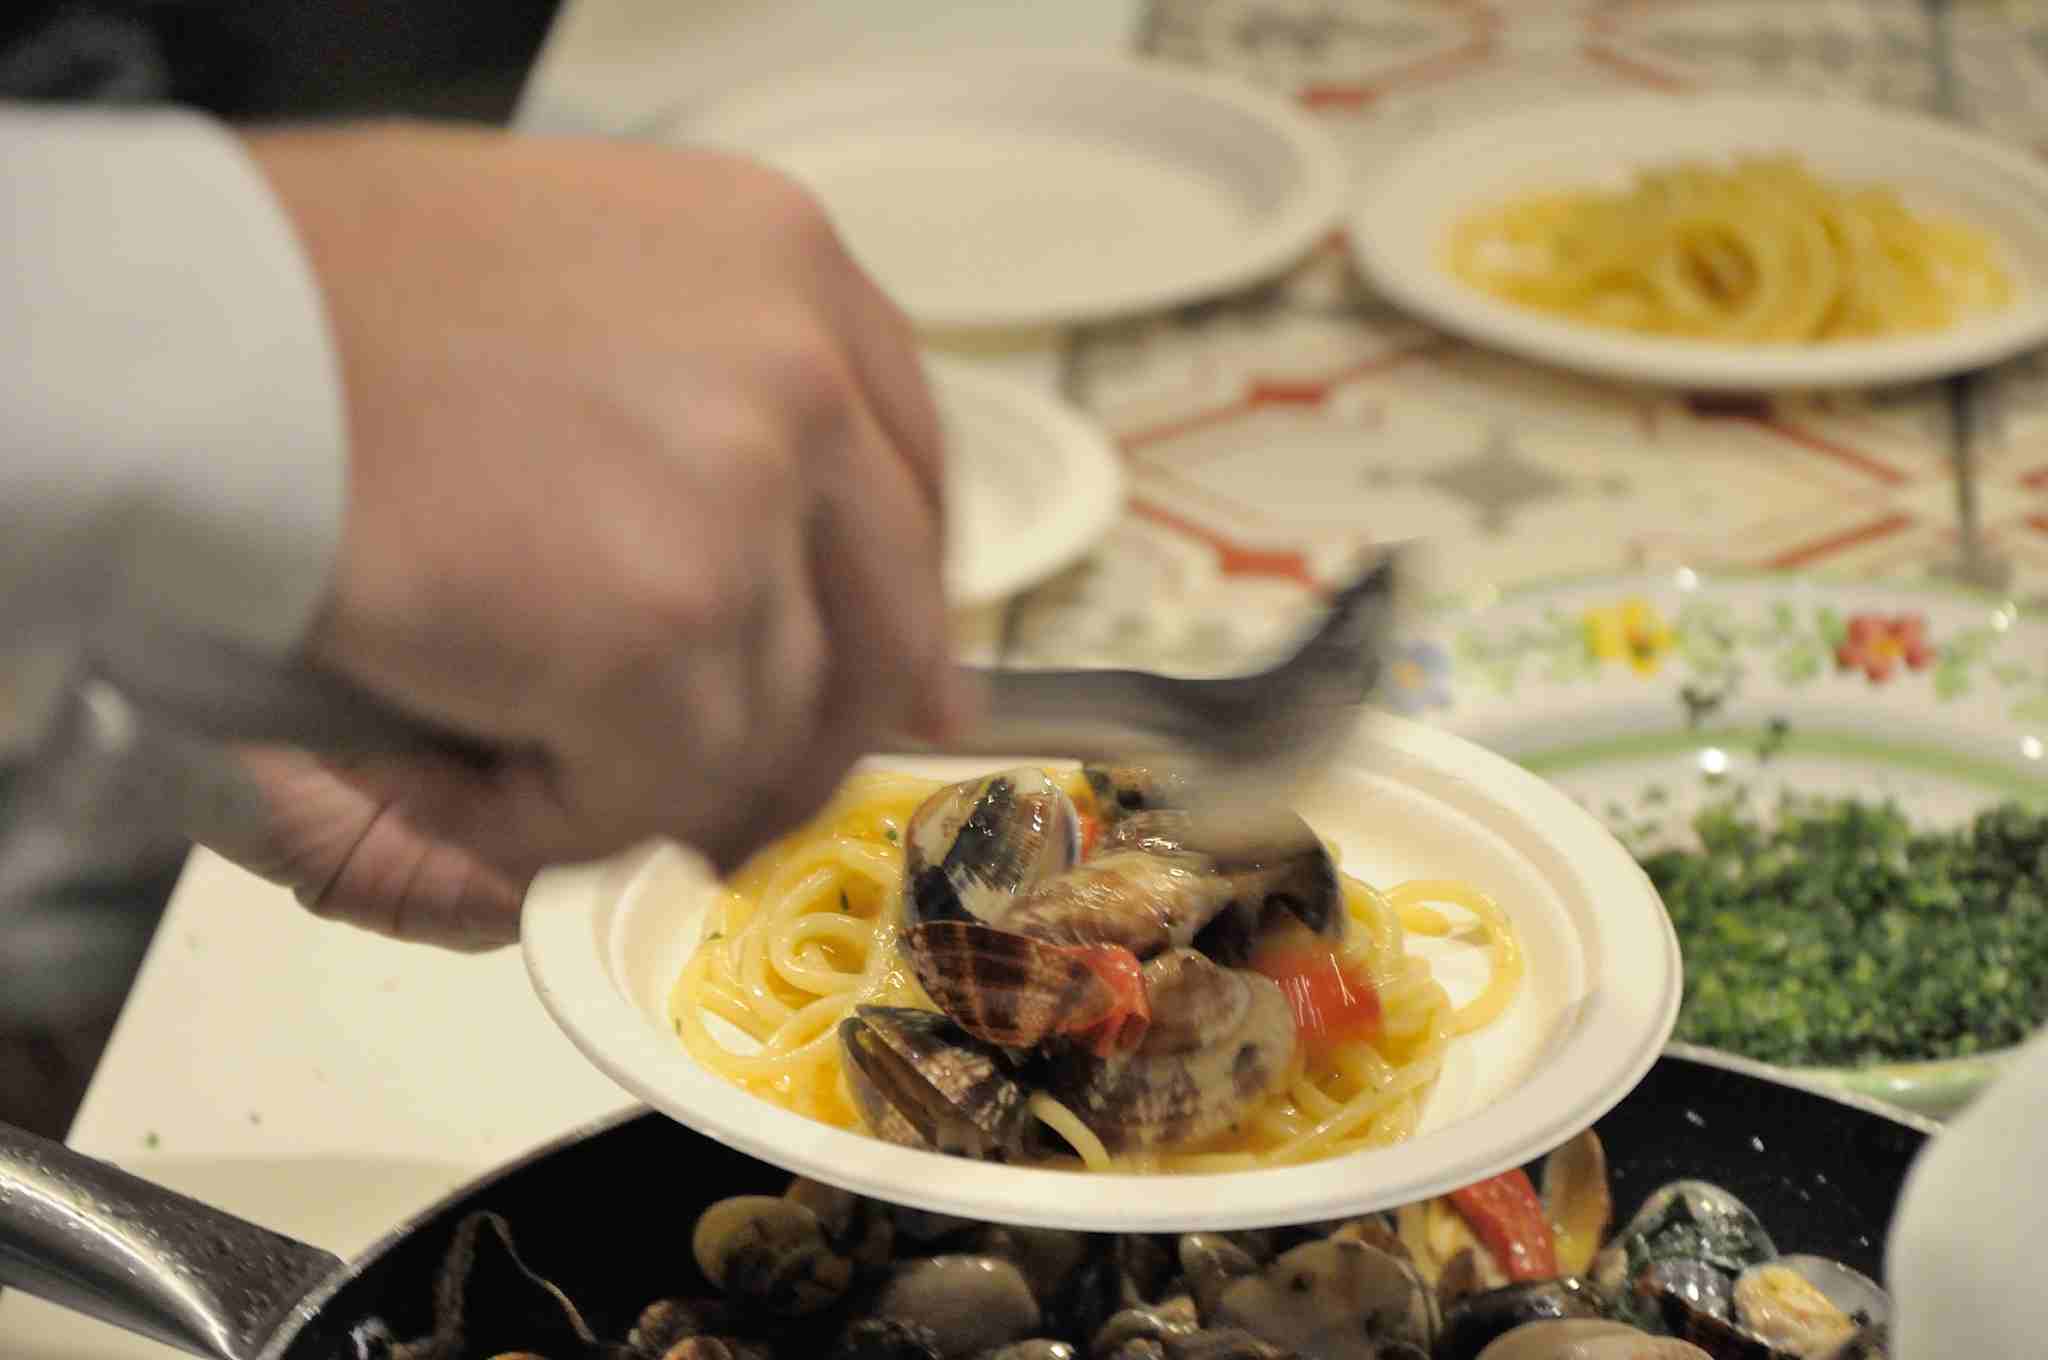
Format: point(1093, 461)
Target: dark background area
point(78, 905)
point(278, 58)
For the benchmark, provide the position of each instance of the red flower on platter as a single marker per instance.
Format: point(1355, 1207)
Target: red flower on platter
point(1876, 644)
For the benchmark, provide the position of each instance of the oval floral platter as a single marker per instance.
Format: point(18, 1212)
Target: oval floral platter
point(1651, 697)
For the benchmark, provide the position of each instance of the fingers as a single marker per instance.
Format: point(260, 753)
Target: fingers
point(403, 884)
point(883, 349)
point(512, 816)
point(351, 856)
point(882, 599)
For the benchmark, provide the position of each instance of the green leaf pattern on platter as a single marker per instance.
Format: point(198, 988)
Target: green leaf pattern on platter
point(1712, 644)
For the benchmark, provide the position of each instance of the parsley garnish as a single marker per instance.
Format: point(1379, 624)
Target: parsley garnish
point(1836, 932)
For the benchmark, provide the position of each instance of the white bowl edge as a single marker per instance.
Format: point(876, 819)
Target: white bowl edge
point(1614, 1033)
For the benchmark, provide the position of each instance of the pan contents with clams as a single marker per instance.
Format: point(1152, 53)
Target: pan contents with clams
point(1499, 1270)
point(1042, 967)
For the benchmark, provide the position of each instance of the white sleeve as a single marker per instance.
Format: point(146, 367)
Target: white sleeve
point(1964, 1253)
point(172, 431)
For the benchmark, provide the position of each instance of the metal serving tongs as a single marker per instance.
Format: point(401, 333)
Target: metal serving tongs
point(1237, 745)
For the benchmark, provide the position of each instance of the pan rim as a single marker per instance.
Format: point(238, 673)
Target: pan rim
point(316, 1299)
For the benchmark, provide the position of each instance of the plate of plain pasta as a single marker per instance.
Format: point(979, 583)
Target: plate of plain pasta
point(1718, 242)
point(1026, 990)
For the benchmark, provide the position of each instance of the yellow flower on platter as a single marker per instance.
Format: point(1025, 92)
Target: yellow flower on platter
point(1631, 631)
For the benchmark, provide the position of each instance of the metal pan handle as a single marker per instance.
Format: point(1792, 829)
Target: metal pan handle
point(93, 1238)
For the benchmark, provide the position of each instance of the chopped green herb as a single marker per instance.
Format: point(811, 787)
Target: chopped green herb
point(714, 935)
point(889, 830)
point(1835, 932)
point(150, 1140)
point(844, 905)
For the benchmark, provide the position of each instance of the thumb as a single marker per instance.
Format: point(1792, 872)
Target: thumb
point(350, 855)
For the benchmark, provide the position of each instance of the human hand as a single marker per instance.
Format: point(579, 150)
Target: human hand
point(345, 854)
point(644, 491)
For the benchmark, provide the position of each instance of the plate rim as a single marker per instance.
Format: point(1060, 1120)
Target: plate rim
point(567, 965)
point(1316, 210)
point(1909, 1088)
point(1421, 287)
point(1097, 487)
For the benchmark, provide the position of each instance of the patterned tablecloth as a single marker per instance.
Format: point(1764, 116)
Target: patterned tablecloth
point(1270, 436)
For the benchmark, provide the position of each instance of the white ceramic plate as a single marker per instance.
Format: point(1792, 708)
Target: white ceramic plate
point(1720, 659)
point(605, 942)
point(1037, 191)
point(1401, 220)
point(1032, 484)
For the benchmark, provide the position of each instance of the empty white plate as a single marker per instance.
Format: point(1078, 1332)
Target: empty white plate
point(1031, 485)
point(1032, 191)
point(1402, 220)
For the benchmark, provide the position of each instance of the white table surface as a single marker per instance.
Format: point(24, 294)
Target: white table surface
point(325, 1082)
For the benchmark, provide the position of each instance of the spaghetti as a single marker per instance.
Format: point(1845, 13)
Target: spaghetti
point(1763, 250)
point(806, 931)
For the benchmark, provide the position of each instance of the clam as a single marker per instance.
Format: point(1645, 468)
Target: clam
point(1139, 1348)
point(1176, 1317)
point(1471, 1270)
point(970, 1303)
point(1077, 1278)
point(1226, 1343)
point(1445, 1251)
point(1049, 1257)
point(769, 1254)
point(1018, 990)
point(1577, 1200)
point(1121, 790)
point(1209, 1262)
point(1375, 1230)
point(1220, 1042)
point(715, 1348)
point(1147, 1267)
point(858, 1228)
point(1474, 1321)
point(1808, 1304)
point(1697, 1285)
point(878, 1338)
point(1587, 1339)
point(1131, 899)
point(1689, 1220)
point(921, 1080)
point(1657, 1267)
point(1032, 1348)
point(1777, 1306)
point(665, 1322)
point(972, 847)
point(1333, 1300)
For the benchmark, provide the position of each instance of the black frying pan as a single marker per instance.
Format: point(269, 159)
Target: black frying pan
point(1823, 1174)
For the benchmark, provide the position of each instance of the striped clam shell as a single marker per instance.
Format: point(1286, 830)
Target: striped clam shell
point(923, 1081)
point(1005, 988)
point(972, 848)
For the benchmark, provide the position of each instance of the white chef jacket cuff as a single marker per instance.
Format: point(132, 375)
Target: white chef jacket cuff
point(167, 360)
